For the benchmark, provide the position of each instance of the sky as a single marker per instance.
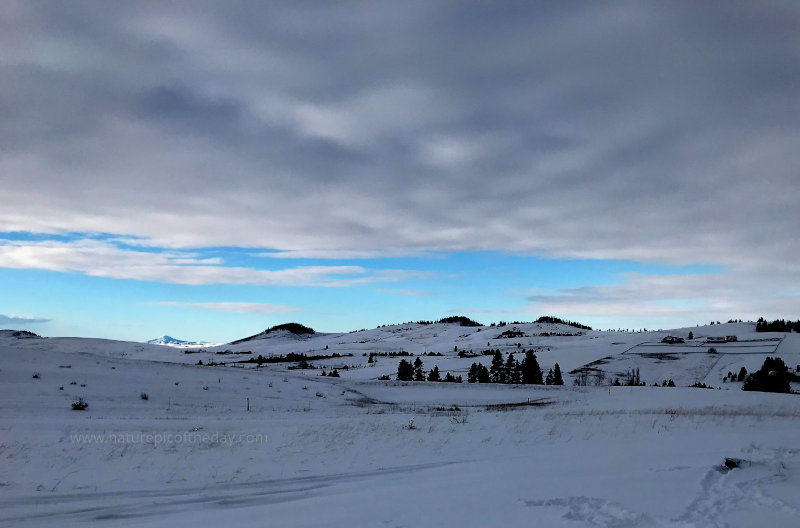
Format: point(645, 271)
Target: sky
point(209, 169)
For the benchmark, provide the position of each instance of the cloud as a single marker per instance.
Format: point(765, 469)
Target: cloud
point(485, 311)
point(13, 319)
point(103, 259)
point(343, 254)
point(647, 132)
point(407, 291)
point(237, 307)
point(689, 299)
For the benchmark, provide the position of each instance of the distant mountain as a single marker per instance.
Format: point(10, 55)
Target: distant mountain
point(295, 329)
point(171, 341)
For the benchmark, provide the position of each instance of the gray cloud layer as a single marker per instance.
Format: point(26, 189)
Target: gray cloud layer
point(12, 320)
point(648, 131)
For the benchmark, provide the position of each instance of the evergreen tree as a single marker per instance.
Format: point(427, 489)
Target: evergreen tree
point(483, 374)
point(548, 380)
point(531, 372)
point(497, 370)
point(773, 376)
point(434, 374)
point(405, 371)
point(511, 370)
point(419, 374)
point(557, 378)
point(691, 335)
point(742, 374)
point(633, 379)
point(472, 375)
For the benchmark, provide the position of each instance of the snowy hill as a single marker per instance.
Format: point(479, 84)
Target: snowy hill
point(168, 442)
point(294, 331)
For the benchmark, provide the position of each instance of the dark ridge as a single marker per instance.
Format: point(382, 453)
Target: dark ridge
point(460, 319)
point(549, 319)
point(21, 334)
point(294, 328)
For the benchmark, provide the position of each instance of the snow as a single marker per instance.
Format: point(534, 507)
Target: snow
point(171, 341)
point(321, 451)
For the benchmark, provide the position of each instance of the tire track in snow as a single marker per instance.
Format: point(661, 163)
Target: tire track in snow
point(86, 507)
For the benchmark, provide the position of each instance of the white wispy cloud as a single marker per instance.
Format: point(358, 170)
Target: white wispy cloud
point(237, 307)
point(344, 254)
point(407, 291)
point(103, 259)
point(690, 299)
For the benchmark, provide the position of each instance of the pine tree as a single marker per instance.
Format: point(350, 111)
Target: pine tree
point(557, 378)
point(483, 374)
point(419, 374)
point(405, 371)
point(548, 380)
point(512, 374)
point(773, 376)
point(497, 370)
point(691, 335)
point(742, 374)
point(531, 372)
point(434, 374)
point(472, 375)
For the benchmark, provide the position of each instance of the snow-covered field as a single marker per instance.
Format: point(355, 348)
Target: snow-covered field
point(355, 451)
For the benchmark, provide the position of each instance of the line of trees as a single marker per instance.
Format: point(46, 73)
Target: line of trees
point(549, 319)
point(300, 358)
point(508, 370)
point(512, 371)
point(406, 371)
point(778, 325)
point(460, 319)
